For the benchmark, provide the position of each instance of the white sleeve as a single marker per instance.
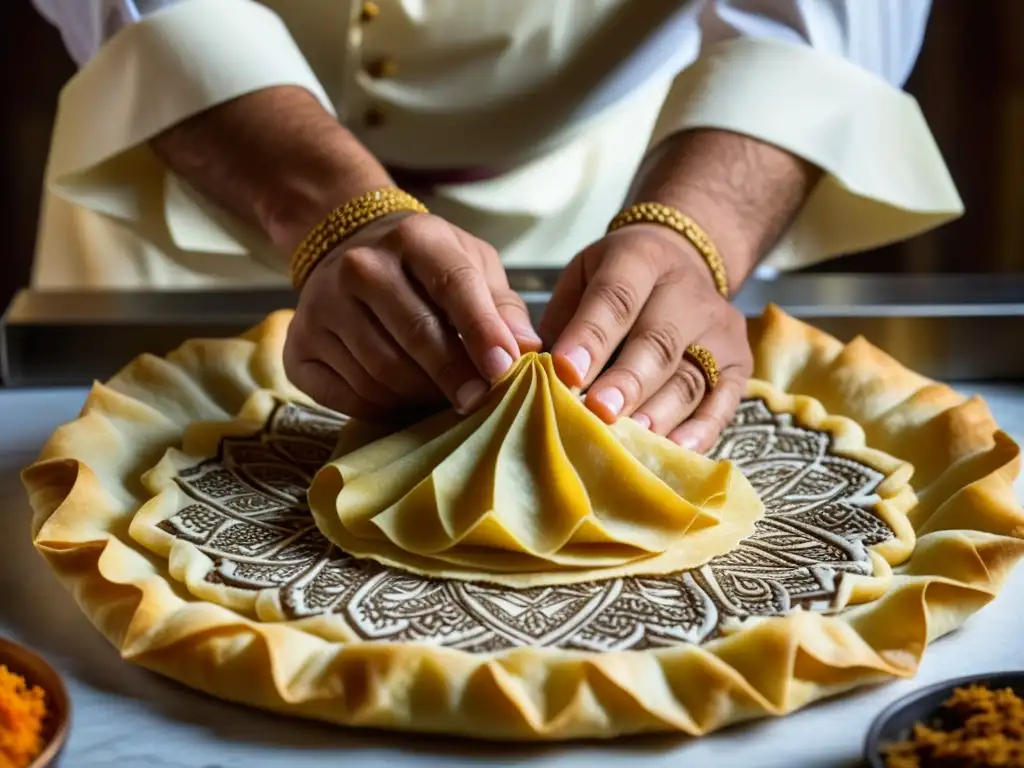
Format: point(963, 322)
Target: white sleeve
point(155, 73)
point(882, 36)
point(823, 80)
point(86, 25)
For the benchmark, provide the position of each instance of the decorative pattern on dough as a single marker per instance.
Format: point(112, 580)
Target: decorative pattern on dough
point(247, 515)
point(958, 532)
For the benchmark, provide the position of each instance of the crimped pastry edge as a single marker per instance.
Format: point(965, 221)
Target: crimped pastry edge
point(967, 520)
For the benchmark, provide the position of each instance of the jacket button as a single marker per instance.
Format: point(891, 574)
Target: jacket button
point(369, 12)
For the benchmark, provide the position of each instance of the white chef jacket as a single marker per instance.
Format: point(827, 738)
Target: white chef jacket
point(563, 96)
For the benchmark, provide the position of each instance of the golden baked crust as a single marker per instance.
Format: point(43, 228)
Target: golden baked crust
point(531, 489)
point(87, 487)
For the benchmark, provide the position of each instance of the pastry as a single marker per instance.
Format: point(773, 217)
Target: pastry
point(531, 489)
point(174, 511)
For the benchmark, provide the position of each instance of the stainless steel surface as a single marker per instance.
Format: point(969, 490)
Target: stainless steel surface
point(966, 328)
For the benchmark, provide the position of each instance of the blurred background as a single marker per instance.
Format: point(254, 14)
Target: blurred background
point(969, 81)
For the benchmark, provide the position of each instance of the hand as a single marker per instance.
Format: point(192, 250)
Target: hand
point(648, 287)
point(408, 312)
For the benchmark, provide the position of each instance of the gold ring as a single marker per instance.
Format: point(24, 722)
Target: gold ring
point(706, 362)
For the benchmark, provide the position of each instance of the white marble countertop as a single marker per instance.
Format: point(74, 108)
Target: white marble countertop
point(127, 717)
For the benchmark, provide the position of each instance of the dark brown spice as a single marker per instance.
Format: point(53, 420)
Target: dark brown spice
point(976, 727)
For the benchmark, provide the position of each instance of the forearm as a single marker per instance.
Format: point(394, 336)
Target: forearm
point(741, 191)
point(274, 158)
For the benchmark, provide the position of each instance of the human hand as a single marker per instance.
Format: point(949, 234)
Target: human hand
point(406, 313)
point(646, 286)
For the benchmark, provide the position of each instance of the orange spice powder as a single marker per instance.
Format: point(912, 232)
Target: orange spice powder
point(976, 727)
point(22, 712)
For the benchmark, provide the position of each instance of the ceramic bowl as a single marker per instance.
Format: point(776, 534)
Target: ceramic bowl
point(37, 671)
point(896, 721)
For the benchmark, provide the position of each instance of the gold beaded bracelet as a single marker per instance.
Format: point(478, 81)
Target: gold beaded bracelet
point(657, 213)
point(343, 221)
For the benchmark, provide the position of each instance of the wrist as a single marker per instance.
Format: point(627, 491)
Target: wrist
point(690, 231)
point(275, 158)
point(684, 255)
point(345, 225)
point(738, 257)
point(300, 198)
point(741, 191)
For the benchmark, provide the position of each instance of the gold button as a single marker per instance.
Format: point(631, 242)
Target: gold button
point(370, 11)
point(373, 117)
point(382, 67)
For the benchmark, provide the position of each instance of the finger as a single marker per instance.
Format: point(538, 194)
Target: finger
point(651, 354)
point(384, 360)
point(317, 379)
point(455, 283)
point(326, 347)
point(610, 305)
point(430, 341)
point(678, 397)
point(714, 413)
point(510, 304)
point(514, 312)
point(415, 325)
point(325, 386)
point(565, 298)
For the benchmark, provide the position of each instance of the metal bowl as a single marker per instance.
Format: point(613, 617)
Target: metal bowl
point(896, 720)
point(37, 671)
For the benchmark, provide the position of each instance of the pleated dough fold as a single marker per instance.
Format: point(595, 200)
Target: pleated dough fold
point(532, 488)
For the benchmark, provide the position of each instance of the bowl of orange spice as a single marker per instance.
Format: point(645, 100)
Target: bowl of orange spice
point(35, 711)
point(971, 722)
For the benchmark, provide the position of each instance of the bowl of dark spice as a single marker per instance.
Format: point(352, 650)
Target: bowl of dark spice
point(971, 722)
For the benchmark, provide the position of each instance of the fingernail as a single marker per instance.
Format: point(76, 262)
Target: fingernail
point(642, 420)
point(612, 399)
point(689, 442)
point(524, 332)
point(470, 394)
point(579, 358)
point(496, 363)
